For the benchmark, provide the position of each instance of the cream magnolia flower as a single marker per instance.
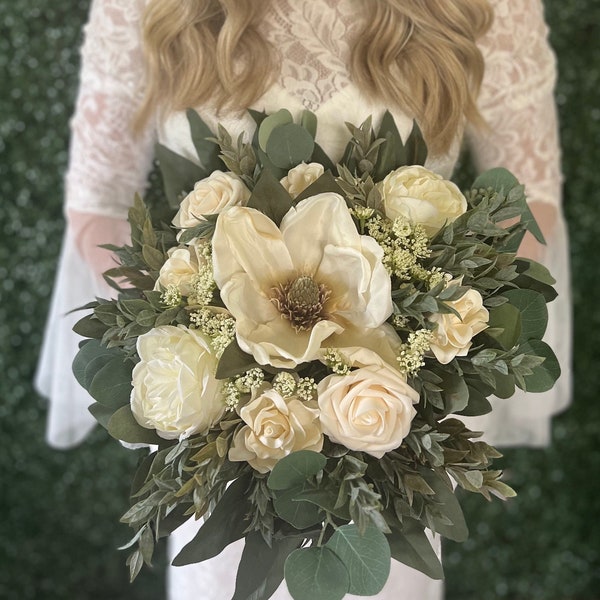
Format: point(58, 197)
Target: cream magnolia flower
point(181, 269)
point(452, 336)
point(422, 196)
point(174, 385)
point(210, 196)
point(275, 427)
point(293, 288)
point(369, 409)
point(300, 177)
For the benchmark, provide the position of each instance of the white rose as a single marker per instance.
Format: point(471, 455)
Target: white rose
point(369, 409)
point(181, 268)
point(174, 385)
point(210, 196)
point(452, 336)
point(275, 427)
point(422, 196)
point(300, 177)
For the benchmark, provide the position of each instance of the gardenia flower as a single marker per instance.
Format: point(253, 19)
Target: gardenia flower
point(452, 336)
point(292, 288)
point(370, 409)
point(210, 196)
point(275, 427)
point(422, 196)
point(300, 177)
point(174, 385)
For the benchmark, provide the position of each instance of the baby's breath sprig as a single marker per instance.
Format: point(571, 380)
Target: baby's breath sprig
point(203, 284)
point(285, 384)
point(306, 389)
point(410, 358)
point(336, 362)
point(219, 327)
point(171, 296)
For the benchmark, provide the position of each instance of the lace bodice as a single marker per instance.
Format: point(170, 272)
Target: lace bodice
point(313, 39)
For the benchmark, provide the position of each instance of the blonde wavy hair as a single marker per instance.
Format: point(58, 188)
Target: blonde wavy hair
point(417, 55)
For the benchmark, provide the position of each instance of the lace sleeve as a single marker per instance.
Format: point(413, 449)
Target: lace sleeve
point(517, 100)
point(108, 163)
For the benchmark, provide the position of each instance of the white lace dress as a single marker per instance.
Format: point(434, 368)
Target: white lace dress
point(313, 39)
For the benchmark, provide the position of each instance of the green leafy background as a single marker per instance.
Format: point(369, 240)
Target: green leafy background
point(59, 510)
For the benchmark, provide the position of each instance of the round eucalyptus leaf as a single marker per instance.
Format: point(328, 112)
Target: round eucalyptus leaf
point(316, 574)
point(534, 314)
point(299, 513)
point(281, 117)
point(289, 145)
point(544, 376)
point(295, 469)
point(367, 557)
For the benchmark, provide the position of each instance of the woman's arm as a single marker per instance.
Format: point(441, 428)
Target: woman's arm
point(517, 101)
point(108, 163)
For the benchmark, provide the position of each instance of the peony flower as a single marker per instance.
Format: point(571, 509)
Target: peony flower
point(422, 196)
point(452, 336)
point(181, 269)
point(293, 289)
point(300, 177)
point(210, 196)
point(275, 427)
point(369, 409)
point(174, 385)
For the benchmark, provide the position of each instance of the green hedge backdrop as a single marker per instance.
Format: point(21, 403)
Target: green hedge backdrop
point(59, 510)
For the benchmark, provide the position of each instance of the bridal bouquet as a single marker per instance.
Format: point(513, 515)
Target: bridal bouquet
point(298, 339)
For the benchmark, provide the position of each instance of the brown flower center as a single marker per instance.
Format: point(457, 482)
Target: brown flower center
point(301, 301)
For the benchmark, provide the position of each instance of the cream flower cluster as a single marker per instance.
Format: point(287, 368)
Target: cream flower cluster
point(311, 289)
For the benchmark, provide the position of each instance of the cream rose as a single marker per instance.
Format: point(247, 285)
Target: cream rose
point(181, 268)
point(452, 336)
point(174, 385)
point(302, 286)
point(300, 177)
point(422, 196)
point(275, 427)
point(210, 196)
point(369, 409)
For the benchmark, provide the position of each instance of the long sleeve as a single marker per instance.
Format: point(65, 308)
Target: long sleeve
point(517, 101)
point(108, 164)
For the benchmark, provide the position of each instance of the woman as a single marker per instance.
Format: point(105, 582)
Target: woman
point(344, 60)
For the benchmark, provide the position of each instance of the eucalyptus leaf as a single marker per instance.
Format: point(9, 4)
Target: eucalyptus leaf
point(295, 468)
point(261, 567)
point(499, 179)
point(289, 145)
point(478, 404)
point(534, 314)
point(449, 506)
point(309, 122)
point(90, 327)
point(366, 557)
point(225, 525)
point(505, 325)
point(101, 413)
point(269, 123)
point(124, 427)
point(545, 375)
point(92, 356)
point(299, 513)
point(412, 547)
point(316, 574)
point(111, 385)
